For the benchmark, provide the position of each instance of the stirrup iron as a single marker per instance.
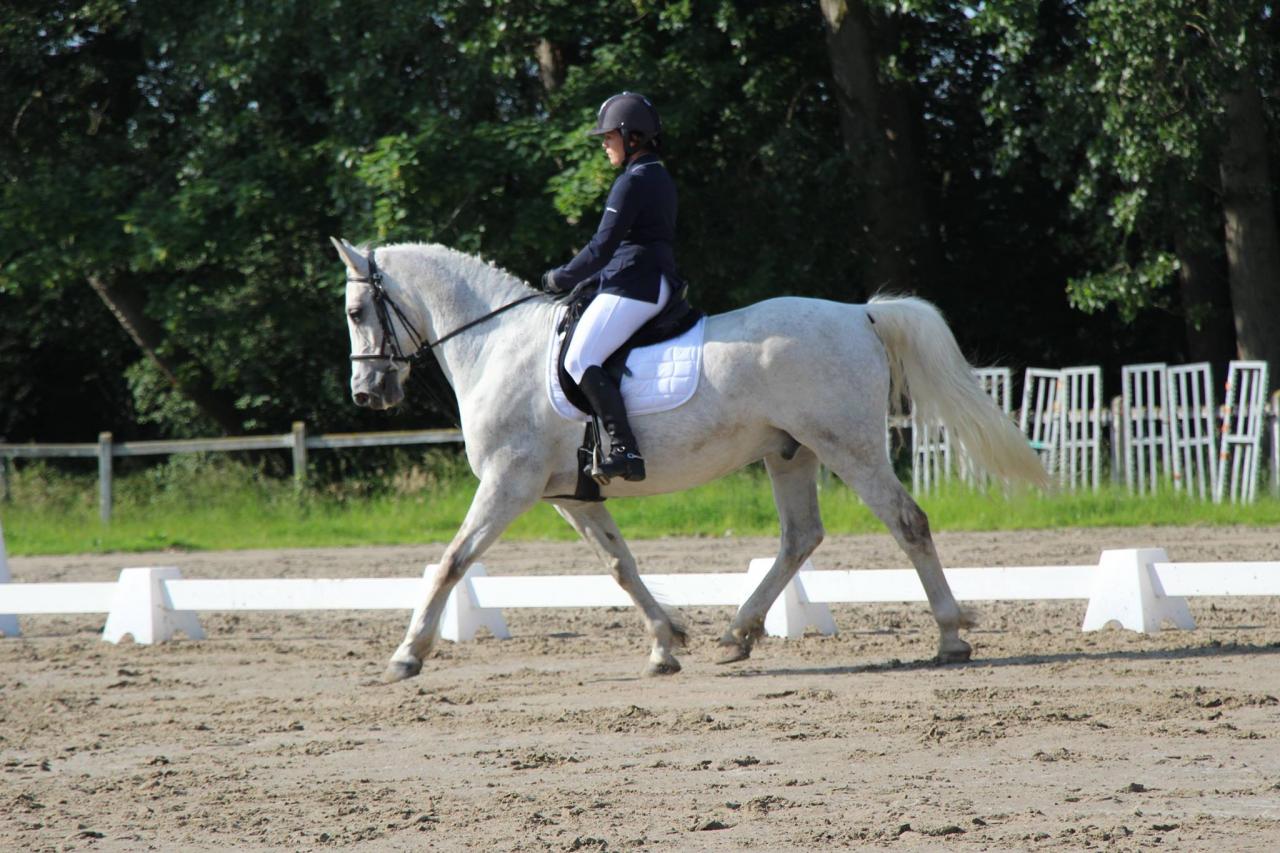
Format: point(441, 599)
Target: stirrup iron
point(597, 473)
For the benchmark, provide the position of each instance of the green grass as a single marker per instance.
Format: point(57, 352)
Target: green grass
point(206, 503)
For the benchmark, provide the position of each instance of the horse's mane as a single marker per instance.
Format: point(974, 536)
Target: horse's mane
point(471, 267)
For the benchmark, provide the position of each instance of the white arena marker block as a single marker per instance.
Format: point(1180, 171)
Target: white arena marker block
point(141, 607)
point(792, 612)
point(1127, 590)
point(462, 617)
point(8, 621)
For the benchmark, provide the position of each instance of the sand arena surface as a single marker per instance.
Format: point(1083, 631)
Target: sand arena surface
point(275, 733)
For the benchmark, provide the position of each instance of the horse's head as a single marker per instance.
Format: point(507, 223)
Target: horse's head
point(382, 336)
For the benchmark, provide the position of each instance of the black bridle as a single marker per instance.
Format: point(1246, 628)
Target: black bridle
point(384, 306)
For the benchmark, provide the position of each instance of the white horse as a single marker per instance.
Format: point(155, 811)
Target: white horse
point(791, 381)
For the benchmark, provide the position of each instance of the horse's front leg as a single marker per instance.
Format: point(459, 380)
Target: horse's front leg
point(500, 498)
point(594, 523)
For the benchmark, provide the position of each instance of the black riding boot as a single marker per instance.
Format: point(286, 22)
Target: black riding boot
point(624, 459)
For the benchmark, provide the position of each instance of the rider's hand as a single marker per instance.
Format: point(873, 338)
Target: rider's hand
point(548, 284)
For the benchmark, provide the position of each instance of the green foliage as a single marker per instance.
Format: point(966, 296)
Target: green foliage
point(200, 155)
point(1123, 101)
point(1130, 288)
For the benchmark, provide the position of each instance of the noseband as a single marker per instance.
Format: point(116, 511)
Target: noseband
point(385, 306)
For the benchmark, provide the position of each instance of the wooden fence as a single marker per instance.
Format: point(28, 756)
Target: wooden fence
point(297, 441)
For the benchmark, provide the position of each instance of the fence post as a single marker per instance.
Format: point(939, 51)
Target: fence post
point(5, 495)
point(104, 477)
point(1275, 444)
point(299, 453)
point(1119, 435)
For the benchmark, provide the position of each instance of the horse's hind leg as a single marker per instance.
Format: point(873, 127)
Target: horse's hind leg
point(873, 479)
point(594, 523)
point(795, 492)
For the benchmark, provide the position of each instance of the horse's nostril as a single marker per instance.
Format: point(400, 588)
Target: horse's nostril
point(361, 398)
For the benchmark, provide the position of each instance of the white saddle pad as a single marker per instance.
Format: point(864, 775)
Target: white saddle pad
point(662, 376)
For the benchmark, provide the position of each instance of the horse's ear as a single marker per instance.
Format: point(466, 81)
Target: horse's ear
point(351, 257)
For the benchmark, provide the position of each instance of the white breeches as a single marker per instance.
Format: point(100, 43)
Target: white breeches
point(607, 323)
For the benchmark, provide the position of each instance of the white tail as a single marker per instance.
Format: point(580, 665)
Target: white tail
point(926, 362)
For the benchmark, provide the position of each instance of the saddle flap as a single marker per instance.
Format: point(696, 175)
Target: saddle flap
point(675, 318)
point(658, 377)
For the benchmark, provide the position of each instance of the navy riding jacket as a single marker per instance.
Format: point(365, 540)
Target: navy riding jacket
point(635, 243)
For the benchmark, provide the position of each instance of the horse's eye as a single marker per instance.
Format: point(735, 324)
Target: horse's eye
point(355, 314)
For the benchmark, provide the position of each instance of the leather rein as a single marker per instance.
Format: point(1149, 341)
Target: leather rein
point(385, 306)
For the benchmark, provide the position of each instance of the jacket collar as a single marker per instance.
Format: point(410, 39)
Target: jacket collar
point(643, 160)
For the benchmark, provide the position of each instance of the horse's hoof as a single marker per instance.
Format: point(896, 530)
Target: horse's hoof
point(399, 670)
point(732, 651)
point(956, 655)
point(666, 667)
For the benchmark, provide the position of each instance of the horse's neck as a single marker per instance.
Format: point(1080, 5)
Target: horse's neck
point(452, 290)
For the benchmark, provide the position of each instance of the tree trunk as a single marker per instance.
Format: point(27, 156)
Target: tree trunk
point(126, 306)
point(551, 65)
point(1252, 239)
point(877, 123)
point(1202, 280)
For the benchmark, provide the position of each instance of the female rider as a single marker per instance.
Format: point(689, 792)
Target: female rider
point(633, 257)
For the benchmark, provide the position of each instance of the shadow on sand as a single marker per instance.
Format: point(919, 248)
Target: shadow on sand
point(1209, 650)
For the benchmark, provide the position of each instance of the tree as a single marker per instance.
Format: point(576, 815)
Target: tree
point(180, 168)
point(185, 164)
point(878, 120)
point(1249, 208)
point(1152, 114)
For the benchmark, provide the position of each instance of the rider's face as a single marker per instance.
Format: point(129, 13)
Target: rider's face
point(612, 142)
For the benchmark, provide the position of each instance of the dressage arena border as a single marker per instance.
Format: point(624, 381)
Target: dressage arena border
point(8, 621)
point(1138, 589)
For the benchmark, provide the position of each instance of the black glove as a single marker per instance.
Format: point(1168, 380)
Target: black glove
point(548, 284)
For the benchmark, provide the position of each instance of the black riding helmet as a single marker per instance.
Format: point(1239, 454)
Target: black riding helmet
point(628, 113)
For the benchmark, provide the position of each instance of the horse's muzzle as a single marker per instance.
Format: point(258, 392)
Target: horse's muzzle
point(384, 392)
point(378, 401)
